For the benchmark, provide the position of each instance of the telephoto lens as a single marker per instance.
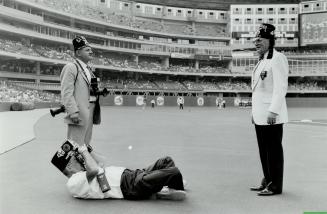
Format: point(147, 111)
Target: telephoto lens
point(57, 111)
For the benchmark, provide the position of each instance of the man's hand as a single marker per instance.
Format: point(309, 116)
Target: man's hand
point(75, 118)
point(271, 119)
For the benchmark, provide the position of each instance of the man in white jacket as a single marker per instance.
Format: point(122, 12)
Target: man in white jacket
point(269, 111)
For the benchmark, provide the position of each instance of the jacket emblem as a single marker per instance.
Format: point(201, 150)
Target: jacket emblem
point(263, 75)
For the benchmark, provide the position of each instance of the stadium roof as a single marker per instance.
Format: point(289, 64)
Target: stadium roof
point(213, 4)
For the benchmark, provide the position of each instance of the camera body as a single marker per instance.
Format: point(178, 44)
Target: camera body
point(95, 91)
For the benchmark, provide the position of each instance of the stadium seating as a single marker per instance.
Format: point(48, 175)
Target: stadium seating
point(16, 47)
point(120, 60)
point(11, 93)
point(307, 86)
point(103, 14)
point(209, 30)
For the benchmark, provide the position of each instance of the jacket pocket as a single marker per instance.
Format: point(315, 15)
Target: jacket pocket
point(70, 122)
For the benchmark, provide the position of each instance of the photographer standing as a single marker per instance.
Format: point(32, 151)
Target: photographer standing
point(78, 90)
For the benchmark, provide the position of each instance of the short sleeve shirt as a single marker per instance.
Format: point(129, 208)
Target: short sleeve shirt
point(79, 186)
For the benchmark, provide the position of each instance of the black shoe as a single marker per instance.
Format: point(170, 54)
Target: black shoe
point(257, 188)
point(267, 192)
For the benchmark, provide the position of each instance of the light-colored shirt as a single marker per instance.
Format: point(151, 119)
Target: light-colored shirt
point(79, 186)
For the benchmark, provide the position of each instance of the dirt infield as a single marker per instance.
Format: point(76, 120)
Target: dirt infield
point(215, 150)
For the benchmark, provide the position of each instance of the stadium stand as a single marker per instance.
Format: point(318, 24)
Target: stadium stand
point(103, 14)
point(114, 59)
point(170, 54)
point(9, 92)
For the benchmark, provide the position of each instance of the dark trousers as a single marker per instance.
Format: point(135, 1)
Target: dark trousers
point(271, 155)
point(142, 184)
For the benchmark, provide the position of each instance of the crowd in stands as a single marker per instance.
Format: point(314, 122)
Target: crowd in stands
point(200, 85)
point(16, 47)
point(53, 54)
point(12, 66)
point(176, 28)
point(114, 59)
point(170, 85)
point(307, 86)
point(119, 60)
point(175, 85)
point(86, 10)
point(222, 85)
point(53, 70)
point(34, 50)
point(11, 93)
point(227, 85)
point(305, 52)
point(209, 30)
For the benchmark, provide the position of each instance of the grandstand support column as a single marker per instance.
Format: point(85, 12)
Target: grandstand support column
point(136, 59)
point(193, 23)
point(165, 62)
point(132, 8)
point(72, 22)
point(164, 12)
point(38, 72)
point(197, 64)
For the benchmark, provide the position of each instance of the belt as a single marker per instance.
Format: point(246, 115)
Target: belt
point(92, 101)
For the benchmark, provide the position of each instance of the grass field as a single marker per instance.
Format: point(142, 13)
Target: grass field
point(215, 150)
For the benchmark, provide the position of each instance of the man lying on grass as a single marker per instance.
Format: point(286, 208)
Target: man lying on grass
point(89, 180)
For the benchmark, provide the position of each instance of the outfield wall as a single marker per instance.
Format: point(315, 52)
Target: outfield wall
point(206, 101)
point(132, 100)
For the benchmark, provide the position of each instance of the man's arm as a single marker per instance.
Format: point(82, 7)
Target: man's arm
point(67, 83)
point(99, 159)
point(280, 76)
point(92, 168)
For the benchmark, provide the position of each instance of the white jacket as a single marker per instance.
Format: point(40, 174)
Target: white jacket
point(268, 93)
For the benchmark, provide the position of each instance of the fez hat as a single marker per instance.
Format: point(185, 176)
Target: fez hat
point(64, 155)
point(266, 31)
point(80, 42)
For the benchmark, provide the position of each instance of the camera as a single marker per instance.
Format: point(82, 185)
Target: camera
point(59, 110)
point(103, 182)
point(95, 91)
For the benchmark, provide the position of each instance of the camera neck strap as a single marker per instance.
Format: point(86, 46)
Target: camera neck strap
point(82, 69)
point(76, 74)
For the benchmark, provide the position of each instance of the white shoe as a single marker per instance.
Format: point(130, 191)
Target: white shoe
point(185, 184)
point(171, 194)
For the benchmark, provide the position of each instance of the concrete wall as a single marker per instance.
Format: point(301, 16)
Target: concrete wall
point(130, 100)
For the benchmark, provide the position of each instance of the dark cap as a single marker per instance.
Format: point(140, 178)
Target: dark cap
point(266, 31)
point(80, 42)
point(64, 155)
